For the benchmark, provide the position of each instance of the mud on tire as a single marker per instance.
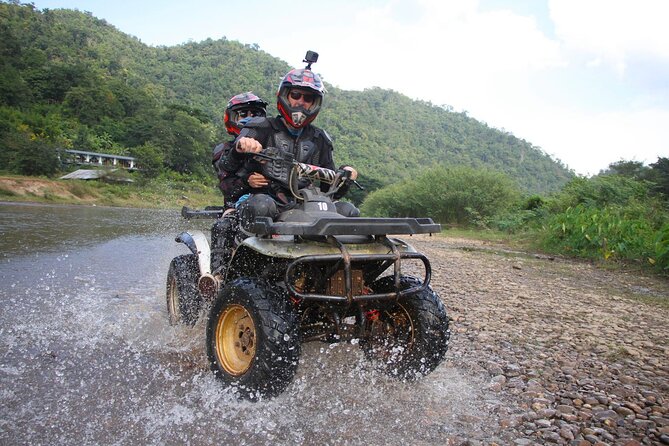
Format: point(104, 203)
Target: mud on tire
point(183, 297)
point(253, 338)
point(407, 339)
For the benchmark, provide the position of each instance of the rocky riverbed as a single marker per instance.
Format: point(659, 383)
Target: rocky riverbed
point(577, 355)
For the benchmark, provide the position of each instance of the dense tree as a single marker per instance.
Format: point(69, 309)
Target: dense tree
point(656, 173)
point(91, 104)
point(51, 81)
point(599, 191)
point(629, 169)
point(659, 176)
point(150, 158)
point(185, 141)
point(34, 157)
point(110, 91)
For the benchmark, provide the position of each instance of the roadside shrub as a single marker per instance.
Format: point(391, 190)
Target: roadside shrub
point(516, 220)
point(81, 189)
point(533, 202)
point(460, 195)
point(529, 214)
point(600, 191)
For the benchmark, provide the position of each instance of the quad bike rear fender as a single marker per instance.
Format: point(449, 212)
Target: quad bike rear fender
point(196, 241)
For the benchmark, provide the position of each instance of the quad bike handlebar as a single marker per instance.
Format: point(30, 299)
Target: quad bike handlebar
point(282, 167)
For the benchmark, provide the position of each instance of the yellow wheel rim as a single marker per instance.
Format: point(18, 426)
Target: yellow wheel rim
point(235, 340)
point(173, 301)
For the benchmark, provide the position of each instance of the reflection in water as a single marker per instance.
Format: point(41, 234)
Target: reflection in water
point(25, 226)
point(89, 358)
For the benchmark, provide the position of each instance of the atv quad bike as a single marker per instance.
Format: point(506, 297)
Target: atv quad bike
point(312, 274)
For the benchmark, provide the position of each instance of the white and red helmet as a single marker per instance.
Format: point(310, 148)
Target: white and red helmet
point(309, 83)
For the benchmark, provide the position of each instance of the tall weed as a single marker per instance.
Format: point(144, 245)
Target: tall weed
point(661, 245)
point(608, 233)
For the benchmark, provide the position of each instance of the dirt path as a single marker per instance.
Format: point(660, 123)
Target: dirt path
point(579, 355)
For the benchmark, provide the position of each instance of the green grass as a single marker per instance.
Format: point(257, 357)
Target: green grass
point(81, 189)
point(7, 193)
point(653, 300)
point(618, 354)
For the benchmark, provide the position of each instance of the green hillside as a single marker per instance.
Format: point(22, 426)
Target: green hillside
point(68, 79)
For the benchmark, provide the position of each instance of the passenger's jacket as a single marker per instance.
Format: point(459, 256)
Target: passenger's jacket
point(232, 185)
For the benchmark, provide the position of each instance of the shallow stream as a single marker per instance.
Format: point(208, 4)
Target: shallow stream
point(87, 355)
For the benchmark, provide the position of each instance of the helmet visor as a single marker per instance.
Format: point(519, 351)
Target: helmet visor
point(297, 98)
point(237, 115)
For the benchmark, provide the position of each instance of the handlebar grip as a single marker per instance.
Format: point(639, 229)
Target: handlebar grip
point(316, 173)
point(280, 162)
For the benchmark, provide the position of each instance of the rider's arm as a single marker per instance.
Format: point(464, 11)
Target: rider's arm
point(327, 162)
point(230, 162)
point(235, 158)
point(247, 145)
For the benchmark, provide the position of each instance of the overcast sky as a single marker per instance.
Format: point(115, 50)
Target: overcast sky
point(587, 81)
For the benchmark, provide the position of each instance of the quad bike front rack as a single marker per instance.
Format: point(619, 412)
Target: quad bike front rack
point(326, 226)
point(345, 259)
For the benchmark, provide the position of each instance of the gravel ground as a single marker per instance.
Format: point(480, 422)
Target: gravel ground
point(577, 355)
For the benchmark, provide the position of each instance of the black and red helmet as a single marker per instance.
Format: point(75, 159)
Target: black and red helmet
point(308, 82)
point(241, 106)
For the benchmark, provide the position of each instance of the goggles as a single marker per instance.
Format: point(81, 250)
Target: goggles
point(249, 113)
point(306, 97)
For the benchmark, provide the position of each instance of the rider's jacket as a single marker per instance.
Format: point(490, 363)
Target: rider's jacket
point(311, 146)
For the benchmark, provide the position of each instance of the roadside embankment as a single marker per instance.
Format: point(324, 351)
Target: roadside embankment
point(162, 194)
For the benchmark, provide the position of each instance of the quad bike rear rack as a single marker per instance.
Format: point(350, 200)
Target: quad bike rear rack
point(212, 212)
point(345, 259)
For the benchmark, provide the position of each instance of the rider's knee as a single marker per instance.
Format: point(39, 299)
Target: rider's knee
point(224, 225)
point(347, 209)
point(223, 229)
point(259, 205)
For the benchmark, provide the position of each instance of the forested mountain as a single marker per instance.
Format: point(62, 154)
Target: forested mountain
point(68, 79)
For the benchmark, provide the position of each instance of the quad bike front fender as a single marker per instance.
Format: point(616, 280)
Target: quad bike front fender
point(284, 247)
point(343, 253)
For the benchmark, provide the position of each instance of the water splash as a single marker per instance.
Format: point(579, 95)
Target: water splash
point(89, 355)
